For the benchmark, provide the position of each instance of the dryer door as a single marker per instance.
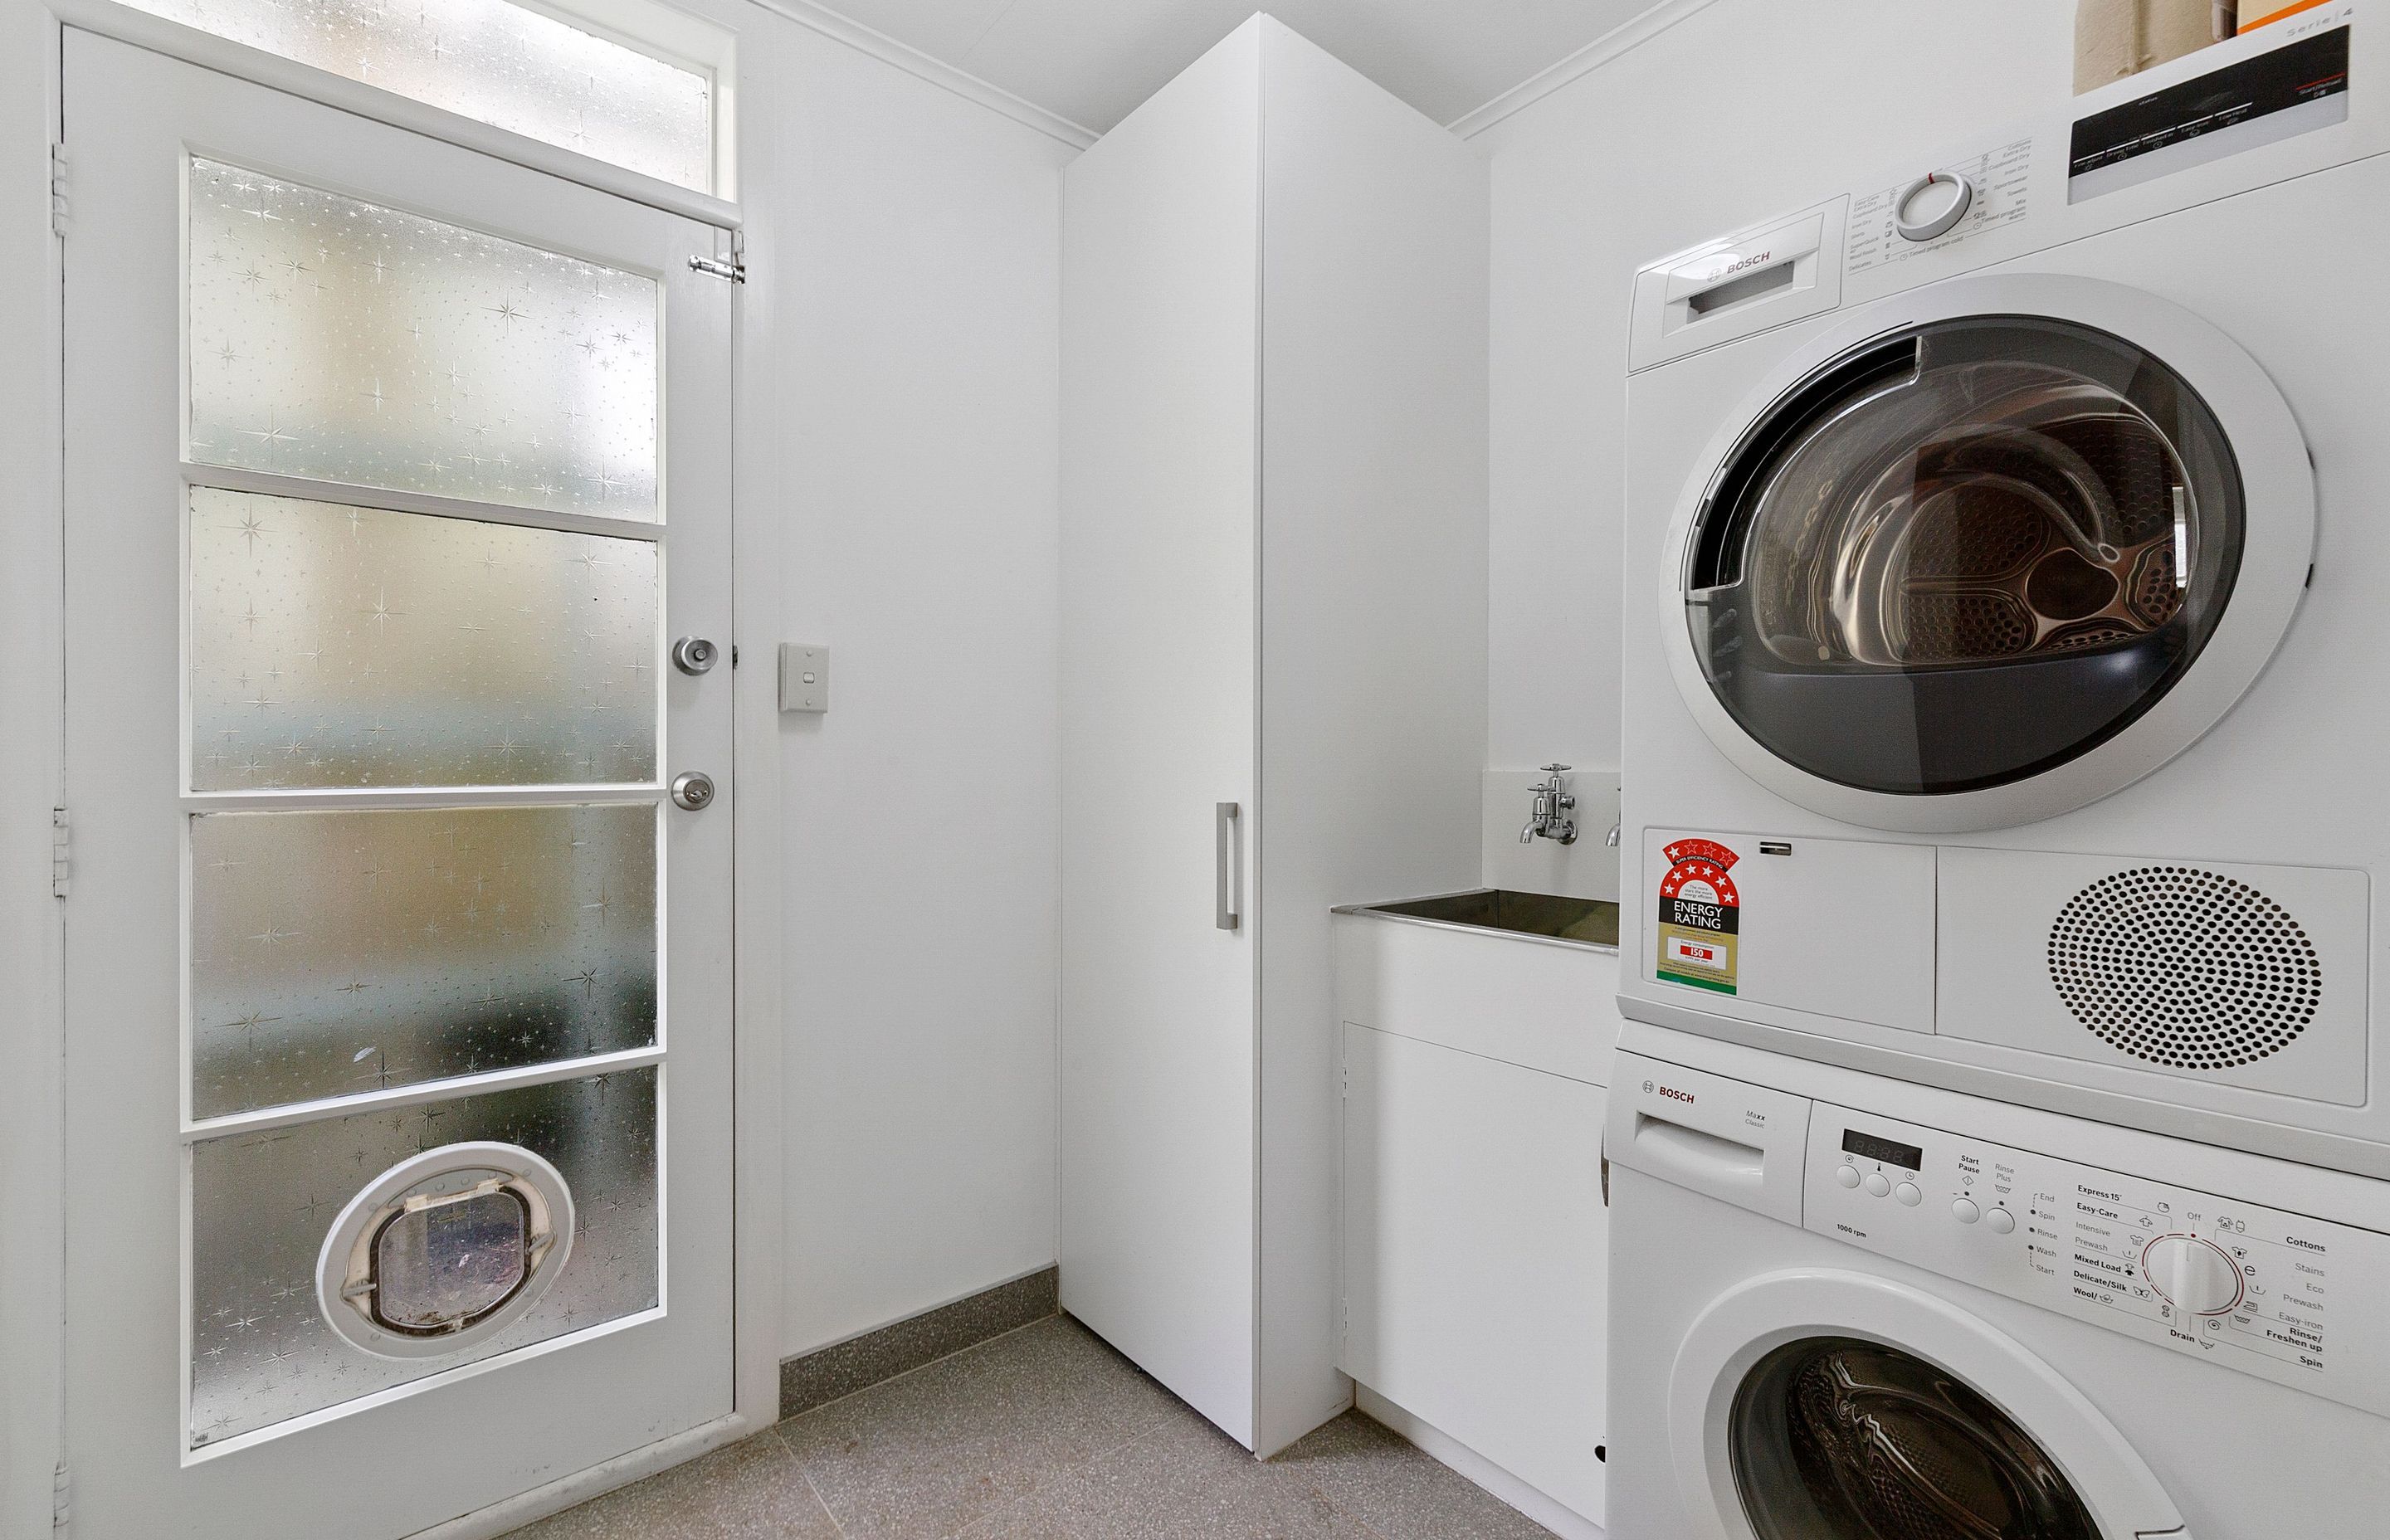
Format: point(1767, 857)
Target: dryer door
point(1967, 569)
point(1840, 1407)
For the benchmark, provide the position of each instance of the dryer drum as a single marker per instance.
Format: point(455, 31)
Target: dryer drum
point(1838, 1438)
point(1964, 555)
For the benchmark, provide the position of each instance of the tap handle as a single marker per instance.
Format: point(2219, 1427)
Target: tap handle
point(1556, 769)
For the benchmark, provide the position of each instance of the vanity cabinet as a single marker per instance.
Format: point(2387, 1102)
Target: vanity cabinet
point(1475, 1238)
point(1273, 684)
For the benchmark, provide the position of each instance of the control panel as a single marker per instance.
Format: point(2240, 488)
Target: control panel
point(2279, 1295)
point(1940, 207)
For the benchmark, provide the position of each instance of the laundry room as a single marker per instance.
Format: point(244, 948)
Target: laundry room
point(901, 769)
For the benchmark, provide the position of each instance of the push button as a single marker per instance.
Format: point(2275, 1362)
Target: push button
point(2002, 1221)
point(1965, 1211)
point(1908, 1195)
point(1878, 1184)
point(1846, 1176)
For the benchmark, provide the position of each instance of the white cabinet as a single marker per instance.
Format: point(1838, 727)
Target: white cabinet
point(1274, 574)
point(1475, 1240)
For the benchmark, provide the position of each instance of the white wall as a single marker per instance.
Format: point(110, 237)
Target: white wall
point(913, 242)
point(1744, 109)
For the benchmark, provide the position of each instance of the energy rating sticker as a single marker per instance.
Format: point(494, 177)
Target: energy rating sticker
point(1699, 914)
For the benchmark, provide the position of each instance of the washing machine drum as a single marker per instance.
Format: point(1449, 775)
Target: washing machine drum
point(1837, 1439)
point(1962, 554)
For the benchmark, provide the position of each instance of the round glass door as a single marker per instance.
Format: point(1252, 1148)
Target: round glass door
point(1965, 554)
point(1833, 1438)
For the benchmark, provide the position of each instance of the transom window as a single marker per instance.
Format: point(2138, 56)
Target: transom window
point(501, 64)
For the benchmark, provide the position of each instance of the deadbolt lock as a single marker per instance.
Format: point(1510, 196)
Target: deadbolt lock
point(692, 789)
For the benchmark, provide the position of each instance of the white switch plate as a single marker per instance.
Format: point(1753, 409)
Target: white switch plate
point(805, 677)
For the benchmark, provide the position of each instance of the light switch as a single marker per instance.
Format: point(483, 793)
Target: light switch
point(805, 677)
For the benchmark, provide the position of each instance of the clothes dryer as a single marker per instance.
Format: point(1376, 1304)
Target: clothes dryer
point(2005, 560)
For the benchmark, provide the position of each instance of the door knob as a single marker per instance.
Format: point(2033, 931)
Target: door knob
point(692, 789)
point(694, 654)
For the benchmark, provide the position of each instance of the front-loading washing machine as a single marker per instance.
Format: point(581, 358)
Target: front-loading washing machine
point(1851, 1308)
point(2007, 586)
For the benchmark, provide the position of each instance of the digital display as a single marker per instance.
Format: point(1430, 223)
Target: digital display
point(2290, 90)
point(1891, 1152)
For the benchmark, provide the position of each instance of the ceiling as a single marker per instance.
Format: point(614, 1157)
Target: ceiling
point(1092, 60)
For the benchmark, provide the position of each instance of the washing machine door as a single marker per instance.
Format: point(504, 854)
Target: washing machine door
point(1818, 1405)
point(1988, 553)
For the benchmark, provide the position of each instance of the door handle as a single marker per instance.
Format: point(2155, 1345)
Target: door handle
point(1227, 868)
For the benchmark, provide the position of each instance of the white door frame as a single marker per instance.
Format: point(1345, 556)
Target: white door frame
point(33, 754)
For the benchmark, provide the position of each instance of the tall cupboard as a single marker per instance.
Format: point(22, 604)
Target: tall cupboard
point(1274, 577)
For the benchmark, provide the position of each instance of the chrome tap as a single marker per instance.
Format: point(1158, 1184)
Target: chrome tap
point(1551, 812)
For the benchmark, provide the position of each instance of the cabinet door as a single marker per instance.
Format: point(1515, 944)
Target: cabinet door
point(1159, 239)
point(1477, 1254)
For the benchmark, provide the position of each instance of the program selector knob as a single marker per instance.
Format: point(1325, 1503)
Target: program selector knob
point(2191, 1273)
point(1932, 205)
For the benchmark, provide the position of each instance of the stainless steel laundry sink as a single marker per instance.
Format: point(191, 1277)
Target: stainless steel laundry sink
point(1591, 920)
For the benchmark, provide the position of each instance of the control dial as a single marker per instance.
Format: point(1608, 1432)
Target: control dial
point(2191, 1273)
point(1931, 204)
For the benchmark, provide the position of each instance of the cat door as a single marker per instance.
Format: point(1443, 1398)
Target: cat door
point(444, 1249)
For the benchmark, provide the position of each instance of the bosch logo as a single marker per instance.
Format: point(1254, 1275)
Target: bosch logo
point(1753, 261)
point(1674, 1095)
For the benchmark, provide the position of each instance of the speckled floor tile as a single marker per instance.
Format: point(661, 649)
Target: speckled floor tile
point(1089, 1398)
point(753, 1490)
point(822, 1377)
point(1398, 1490)
point(1182, 1478)
point(1044, 1434)
point(929, 1453)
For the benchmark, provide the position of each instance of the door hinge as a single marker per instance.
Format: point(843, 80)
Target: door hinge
point(61, 853)
point(61, 1500)
point(58, 207)
point(734, 270)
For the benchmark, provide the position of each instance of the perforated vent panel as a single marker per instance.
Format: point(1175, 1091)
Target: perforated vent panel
point(2185, 968)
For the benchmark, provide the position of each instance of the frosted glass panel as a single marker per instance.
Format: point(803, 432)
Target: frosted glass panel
point(334, 646)
point(493, 62)
point(262, 1204)
point(335, 953)
point(335, 339)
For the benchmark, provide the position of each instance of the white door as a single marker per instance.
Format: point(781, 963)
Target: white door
point(398, 1035)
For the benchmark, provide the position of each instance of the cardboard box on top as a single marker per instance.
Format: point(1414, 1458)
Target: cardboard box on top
point(2116, 38)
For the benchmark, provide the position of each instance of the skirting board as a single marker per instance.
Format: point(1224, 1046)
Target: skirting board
point(1447, 1450)
point(861, 1362)
point(540, 1502)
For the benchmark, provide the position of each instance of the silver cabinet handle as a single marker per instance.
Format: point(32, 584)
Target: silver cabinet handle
point(1228, 868)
